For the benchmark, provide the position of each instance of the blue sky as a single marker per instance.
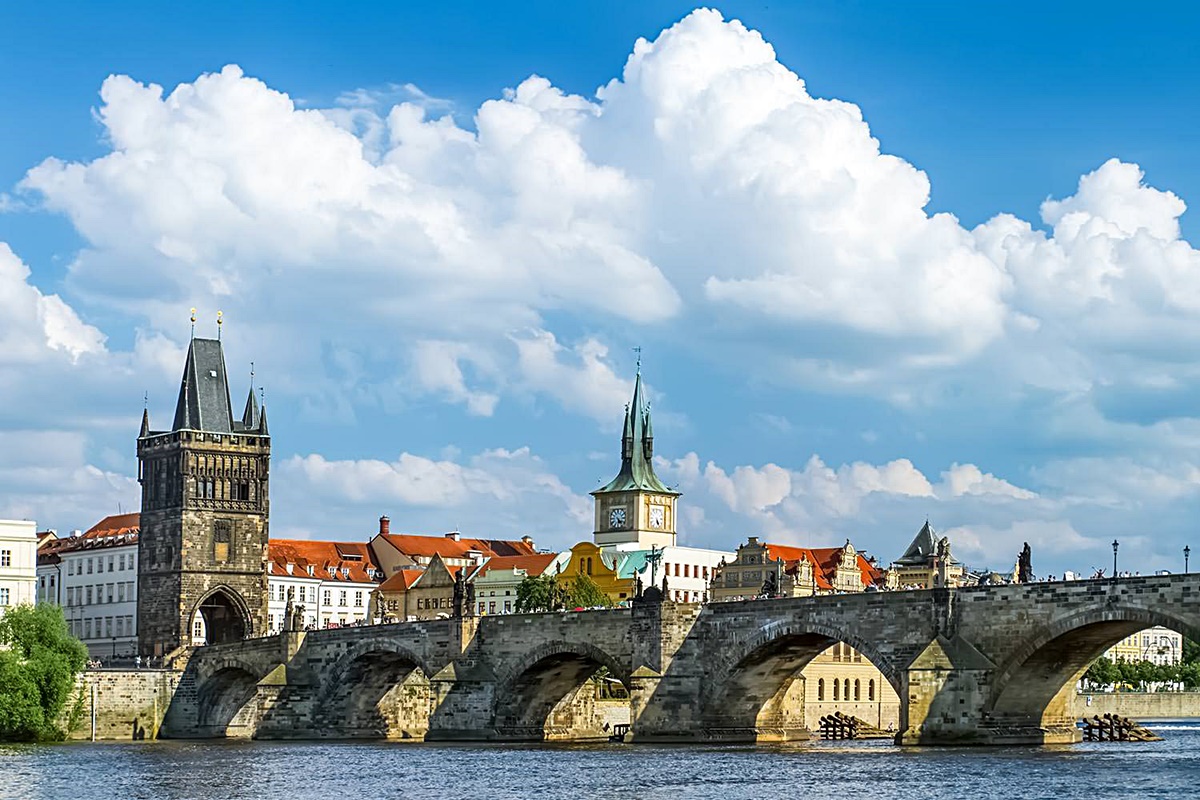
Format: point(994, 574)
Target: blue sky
point(440, 275)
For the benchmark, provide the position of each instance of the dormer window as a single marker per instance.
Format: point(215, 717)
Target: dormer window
point(345, 572)
point(311, 569)
point(333, 572)
point(290, 567)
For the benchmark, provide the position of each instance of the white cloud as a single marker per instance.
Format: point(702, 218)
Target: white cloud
point(968, 479)
point(32, 323)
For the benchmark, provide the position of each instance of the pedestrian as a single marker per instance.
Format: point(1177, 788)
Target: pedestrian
point(137, 662)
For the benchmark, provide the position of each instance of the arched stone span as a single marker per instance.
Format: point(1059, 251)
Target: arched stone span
point(376, 690)
point(224, 617)
point(226, 700)
point(752, 693)
point(1035, 685)
point(546, 694)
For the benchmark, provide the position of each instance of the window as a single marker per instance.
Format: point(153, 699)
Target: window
point(846, 689)
point(89, 595)
point(109, 591)
point(121, 562)
point(3, 595)
point(5, 558)
point(327, 600)
point(705, 576)
point(492, 607)
point(129, 625)
point(358, 598)
point(871, 689)
point(111, 563)
point(282, 596)
point(222, 540)
point(821, 689)
point(120, 626)
point(836, 686)
point(857, 690)
point(686, 568)
point(70, 567)
point(342, 598)
point(87, 628)
point(507, 606)
point(89, 563)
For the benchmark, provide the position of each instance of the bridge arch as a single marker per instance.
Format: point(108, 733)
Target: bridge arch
point(1035, 684)
point(752, 693)
point(226, 691)
point(547, 692)
point(377, 689)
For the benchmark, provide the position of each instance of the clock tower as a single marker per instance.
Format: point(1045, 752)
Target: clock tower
point(636, 510)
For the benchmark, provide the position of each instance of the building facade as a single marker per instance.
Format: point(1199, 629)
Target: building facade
point(1157, 645)
point(763, 569)
point(926, 564)
point(18, 563)
point(497, 580)
point(332, 581)
point(204, 520)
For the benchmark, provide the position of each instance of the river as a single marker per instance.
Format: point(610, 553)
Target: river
point(352, 771)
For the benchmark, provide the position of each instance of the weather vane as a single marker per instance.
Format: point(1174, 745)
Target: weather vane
point(638, 350)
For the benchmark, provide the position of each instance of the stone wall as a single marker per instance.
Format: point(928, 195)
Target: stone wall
point(119, 698)
point(1139, 705)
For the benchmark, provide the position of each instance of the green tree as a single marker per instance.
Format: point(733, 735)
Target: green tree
point(584, 593)
point(39, 659)
point(1191, 652)
point(1102, 672)
point(540, 594)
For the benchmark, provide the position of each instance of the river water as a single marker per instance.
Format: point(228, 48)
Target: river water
point(350, 771)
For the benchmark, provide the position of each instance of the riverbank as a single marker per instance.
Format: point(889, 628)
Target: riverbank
point(1140, 706)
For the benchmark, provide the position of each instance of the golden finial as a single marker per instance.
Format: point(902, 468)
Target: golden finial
point(219, 321)
point(193, 323)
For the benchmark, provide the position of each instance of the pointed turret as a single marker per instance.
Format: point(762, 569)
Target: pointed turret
point(203, 403)
point(250, 415)
point(145, 423)
point(262, 422)
point(637, 449)
point(922, 547)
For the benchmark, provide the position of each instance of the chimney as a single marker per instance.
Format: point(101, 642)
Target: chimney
point(528, 540)
point(455, 535)
point(385, 525)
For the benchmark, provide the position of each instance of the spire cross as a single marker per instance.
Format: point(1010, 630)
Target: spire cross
point(638, 350)
point(145, 399)
point(252, 375)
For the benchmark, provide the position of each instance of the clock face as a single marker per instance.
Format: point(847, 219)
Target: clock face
point(658, 516)
point(616, 518)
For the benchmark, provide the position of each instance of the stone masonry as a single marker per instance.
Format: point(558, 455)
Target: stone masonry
point(981, 665)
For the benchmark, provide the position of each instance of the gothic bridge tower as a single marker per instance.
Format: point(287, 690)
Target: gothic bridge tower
point(202, 548)
point(636, 509)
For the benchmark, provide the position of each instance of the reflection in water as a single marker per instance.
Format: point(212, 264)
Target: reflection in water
point(874, 770)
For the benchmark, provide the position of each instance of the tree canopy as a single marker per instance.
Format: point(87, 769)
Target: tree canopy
point(555, 593)
point(39, 659)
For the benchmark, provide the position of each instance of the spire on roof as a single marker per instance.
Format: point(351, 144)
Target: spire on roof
point(922, 547)
point(145, 422)
point(250, 415)
point(637, 448)
point(203, 403)
point(262, 422)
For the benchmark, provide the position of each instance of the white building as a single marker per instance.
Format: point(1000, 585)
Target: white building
point(1157, 645)
point(497, 579)
point(18, 563)
point(689, 570)
point(332, 580)
point(98, 577)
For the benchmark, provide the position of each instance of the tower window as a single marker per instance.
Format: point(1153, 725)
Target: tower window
point(222, 539)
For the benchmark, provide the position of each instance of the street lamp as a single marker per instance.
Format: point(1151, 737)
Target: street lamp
point(1187, 551)
point(1116, 544)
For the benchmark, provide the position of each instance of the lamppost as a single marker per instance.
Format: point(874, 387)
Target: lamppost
point(1187, 551)
point(1116, 544)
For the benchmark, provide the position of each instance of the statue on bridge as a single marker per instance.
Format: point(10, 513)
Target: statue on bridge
point(460, 592)
point(1025, 565)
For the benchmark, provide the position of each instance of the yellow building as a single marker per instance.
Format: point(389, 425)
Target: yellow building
point(1158, 645)
point(602, 567)
point(840, 679)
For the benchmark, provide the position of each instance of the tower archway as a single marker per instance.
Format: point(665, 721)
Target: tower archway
point(221, 616)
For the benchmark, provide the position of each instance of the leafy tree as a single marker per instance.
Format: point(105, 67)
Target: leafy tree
point(540, 594)
point(584, 593)
point(1191, 652)
point(39, 659)
point(1102, 672)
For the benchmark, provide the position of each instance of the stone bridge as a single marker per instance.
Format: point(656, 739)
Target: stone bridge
point(983, 665)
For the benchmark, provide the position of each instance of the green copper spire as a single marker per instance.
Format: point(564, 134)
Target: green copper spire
point(637, 450)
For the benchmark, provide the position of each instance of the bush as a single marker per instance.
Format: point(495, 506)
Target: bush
point(39, 659)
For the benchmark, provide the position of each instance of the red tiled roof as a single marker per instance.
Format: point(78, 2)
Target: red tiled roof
point(401, 581)
point(115, 525)
point(321, 555)
point(533, 565)
point(429, 546)
point(825, 561)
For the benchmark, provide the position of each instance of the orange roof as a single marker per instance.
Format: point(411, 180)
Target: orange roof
point(117, 530)
point(446, 547)
point(401, 581)
point(825, 561)
point(355, 557)
point(115, 525)
point(533, 565)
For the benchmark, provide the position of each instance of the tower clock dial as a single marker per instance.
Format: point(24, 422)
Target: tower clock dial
point(616, 517)
point(658, 516)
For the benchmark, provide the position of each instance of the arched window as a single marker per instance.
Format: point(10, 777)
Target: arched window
point(836, 690)
point(857, 690)
point(846, 689)
point(589, 565)
point(871, 689)
point(821, 689)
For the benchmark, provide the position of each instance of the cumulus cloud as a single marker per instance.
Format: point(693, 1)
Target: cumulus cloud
point(34, 325)
point(494, 493)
